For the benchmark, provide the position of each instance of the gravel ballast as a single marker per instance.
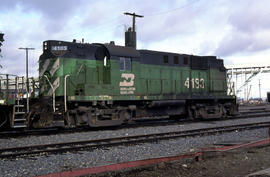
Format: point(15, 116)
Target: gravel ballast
point(84, 159)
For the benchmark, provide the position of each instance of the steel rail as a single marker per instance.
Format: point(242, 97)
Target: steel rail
point(117, 141)
point(138, 123)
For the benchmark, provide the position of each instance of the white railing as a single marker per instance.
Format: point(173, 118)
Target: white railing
point(53, 92)
point(65, 92)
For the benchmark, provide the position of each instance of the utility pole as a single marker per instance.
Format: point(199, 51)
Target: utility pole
point(1, 40)
point(133, 32)
point(27, 83)
point(133, 20)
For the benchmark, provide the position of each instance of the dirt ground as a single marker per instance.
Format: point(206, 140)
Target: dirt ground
point(235, 163)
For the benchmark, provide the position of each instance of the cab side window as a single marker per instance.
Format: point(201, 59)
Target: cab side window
point(125, 64)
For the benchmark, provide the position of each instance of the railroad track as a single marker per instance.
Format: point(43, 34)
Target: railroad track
point(117, 141)
point(139, 123)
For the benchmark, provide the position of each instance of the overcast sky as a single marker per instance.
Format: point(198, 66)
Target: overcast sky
point(237, 31)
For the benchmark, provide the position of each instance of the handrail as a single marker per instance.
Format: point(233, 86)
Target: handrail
point(65, 92)
point(10, 82)
point(53, 92)
point(17, 88)
point(80, 69)
point(9, 75)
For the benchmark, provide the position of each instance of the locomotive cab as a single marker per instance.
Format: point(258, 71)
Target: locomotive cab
point(75, 74)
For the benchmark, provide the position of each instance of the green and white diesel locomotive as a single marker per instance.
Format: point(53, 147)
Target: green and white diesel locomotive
point(82, 84)
point(105, 85)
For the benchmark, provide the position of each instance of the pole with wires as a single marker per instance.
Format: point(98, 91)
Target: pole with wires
point(27, 82)
point(130, 36)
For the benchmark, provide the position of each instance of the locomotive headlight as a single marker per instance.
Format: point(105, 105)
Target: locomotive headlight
point(45, 46)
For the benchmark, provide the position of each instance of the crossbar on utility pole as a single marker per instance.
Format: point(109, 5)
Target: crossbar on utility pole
point(133, 20)
point(133, 32)
point(27, 83)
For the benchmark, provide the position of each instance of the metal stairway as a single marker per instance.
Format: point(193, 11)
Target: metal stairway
point(15, 93)
point(19, 116)
point(19, 108)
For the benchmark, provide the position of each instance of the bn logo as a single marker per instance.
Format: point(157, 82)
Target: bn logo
point(127, 84)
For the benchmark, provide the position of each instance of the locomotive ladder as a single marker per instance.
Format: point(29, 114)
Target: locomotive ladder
point(19, 110)
point(19, 118)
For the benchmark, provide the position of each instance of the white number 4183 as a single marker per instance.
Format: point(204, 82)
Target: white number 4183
point(195, 82)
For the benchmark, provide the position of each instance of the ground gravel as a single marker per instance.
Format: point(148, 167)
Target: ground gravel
point(45, 164)
point(248, 162)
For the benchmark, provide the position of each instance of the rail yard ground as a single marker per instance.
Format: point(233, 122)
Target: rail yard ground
point(52, 163)
point(237, 163)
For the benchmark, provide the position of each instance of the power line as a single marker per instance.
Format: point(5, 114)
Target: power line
point(111, 21)
point(171, 10)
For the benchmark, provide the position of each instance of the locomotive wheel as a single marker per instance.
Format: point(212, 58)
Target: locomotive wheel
point(233, 110)
point(224, 112)
point(125, 115)
point(92, 121)
point(190, 113)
